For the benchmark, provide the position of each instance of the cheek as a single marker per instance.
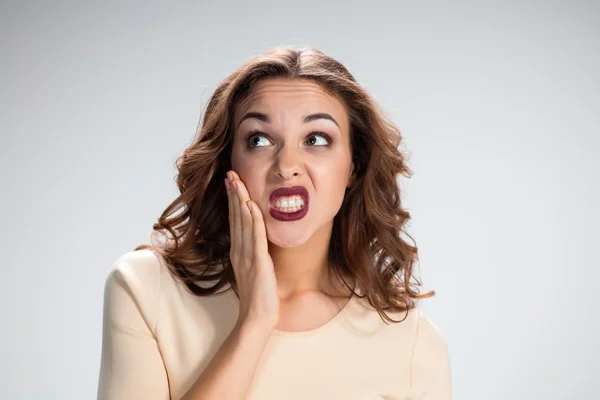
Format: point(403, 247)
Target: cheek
point(242, 166)
point(331, 180)
point(237, 158)
point(334, 171)
point(253, 179)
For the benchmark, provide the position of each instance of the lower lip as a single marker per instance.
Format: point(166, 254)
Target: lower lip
point(284, 216)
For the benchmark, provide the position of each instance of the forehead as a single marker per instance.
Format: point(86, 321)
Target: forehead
point(298, 96)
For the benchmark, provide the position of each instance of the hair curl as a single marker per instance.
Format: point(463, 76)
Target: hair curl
point(366, 240)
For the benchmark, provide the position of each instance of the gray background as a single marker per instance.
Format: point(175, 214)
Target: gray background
point(499, 105)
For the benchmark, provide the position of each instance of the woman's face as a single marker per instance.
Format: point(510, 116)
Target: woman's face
point(288, 149)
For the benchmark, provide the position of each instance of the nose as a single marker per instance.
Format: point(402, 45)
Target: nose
point(288, 163)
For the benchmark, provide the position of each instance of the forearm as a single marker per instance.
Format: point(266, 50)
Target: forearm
point(230, 371)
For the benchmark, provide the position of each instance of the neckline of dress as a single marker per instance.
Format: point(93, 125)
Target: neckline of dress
point(331, 323)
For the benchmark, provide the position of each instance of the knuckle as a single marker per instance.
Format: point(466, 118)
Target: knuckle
point(246, 216)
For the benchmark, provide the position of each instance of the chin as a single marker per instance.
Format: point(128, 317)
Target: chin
point(287, 240)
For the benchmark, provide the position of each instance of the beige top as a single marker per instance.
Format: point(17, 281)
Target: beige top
point(158, 338)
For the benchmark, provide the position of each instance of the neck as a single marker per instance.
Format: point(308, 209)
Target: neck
point(305, 269)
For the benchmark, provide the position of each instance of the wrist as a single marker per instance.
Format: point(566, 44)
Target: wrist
point(254, 329)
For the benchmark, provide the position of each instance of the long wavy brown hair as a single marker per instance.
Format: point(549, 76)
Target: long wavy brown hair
point(366, 241)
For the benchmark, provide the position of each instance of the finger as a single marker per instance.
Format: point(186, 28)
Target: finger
point(259, 232)
point(237, 224)
point(230, 211)
point(231, 217)
point(247, 246)
point(229, 206)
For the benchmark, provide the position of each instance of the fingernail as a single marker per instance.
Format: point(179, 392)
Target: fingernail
point(227, 183)
point(234, 184)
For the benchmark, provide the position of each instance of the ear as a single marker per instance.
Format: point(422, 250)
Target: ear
point(352, 177)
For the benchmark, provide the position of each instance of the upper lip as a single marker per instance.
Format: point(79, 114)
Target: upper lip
point(290, 191)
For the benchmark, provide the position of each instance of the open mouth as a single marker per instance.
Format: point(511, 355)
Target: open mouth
point(289, 204)
point(289, 199)
point(288, 214)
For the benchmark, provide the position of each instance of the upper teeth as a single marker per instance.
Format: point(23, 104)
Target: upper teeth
point(291, 201)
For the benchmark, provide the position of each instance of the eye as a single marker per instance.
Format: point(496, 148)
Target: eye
point(253, 139)
point(323, 135)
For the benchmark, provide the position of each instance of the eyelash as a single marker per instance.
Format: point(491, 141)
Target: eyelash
point(254, 133)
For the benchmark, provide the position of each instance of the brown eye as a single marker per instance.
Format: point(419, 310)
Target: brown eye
point(254, 140)
point(327, 138)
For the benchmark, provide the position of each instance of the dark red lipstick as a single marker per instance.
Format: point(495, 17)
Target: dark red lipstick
point(285, 192)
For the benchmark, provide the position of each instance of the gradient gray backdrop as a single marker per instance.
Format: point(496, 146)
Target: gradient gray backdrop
point(499, 105)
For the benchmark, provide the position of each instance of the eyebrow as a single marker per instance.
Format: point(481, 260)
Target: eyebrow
point(265, 117)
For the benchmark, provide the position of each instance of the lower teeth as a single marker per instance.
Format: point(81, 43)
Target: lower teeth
point(289, 209)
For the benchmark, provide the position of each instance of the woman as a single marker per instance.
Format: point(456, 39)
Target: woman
point(289, 202)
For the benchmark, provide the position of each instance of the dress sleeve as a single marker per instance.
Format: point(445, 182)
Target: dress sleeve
point(431, 377)
point(131, 363)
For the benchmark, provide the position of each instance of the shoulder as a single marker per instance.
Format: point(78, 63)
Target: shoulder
point(429, 341)
point(138, 272)
point(429, 329)
point(430, 366)
point(132, 291)
point(138, 265)
point(419, 324)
